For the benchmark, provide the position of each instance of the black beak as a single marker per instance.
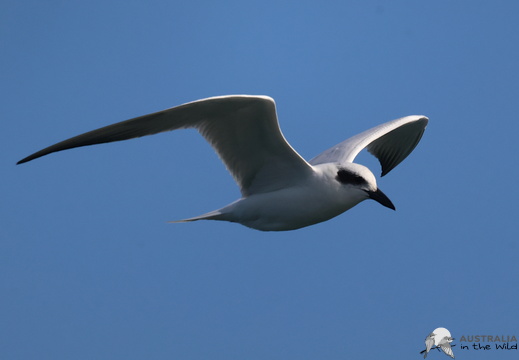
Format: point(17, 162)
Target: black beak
point(381, 198)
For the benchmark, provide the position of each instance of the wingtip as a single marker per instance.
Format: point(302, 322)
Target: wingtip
point(29, 158)
point(423, 118)
point(24, 160)
point(35, 155)
point(417, 117)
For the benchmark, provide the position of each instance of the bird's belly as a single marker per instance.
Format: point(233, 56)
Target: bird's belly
point(288, 209)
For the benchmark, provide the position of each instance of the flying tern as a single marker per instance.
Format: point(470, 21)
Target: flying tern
point(280, 190)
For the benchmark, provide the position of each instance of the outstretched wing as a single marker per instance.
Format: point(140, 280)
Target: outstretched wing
point(390, 142)
point(242, 129)
point(446, 347)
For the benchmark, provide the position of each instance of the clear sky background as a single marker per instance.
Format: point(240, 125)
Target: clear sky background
point(89, 266)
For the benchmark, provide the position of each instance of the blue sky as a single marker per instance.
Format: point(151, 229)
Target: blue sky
point(89, 266)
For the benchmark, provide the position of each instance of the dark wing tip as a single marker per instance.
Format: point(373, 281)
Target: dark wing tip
point(28, 158)
point(389, 148)
point(43, 152)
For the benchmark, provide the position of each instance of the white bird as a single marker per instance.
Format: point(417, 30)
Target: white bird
point(441, 338)
point(280, 190)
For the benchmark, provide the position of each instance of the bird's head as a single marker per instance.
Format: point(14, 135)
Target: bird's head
point(359, 181)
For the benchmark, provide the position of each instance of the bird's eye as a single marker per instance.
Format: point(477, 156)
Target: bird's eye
point(346, 177)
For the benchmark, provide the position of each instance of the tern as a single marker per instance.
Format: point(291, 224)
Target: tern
point(280, 190)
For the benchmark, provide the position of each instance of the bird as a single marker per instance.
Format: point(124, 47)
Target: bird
point(441, 338)
point(280, 190)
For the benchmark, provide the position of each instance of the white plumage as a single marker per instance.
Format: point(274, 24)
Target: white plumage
point(280, 190)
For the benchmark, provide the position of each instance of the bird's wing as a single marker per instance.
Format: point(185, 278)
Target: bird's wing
point(242, 129)
point(446, 347)
point(390, 142)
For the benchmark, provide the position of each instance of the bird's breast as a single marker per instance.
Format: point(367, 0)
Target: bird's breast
point(291, 208)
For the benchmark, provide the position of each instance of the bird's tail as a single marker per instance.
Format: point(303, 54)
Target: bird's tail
point(212, 215)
